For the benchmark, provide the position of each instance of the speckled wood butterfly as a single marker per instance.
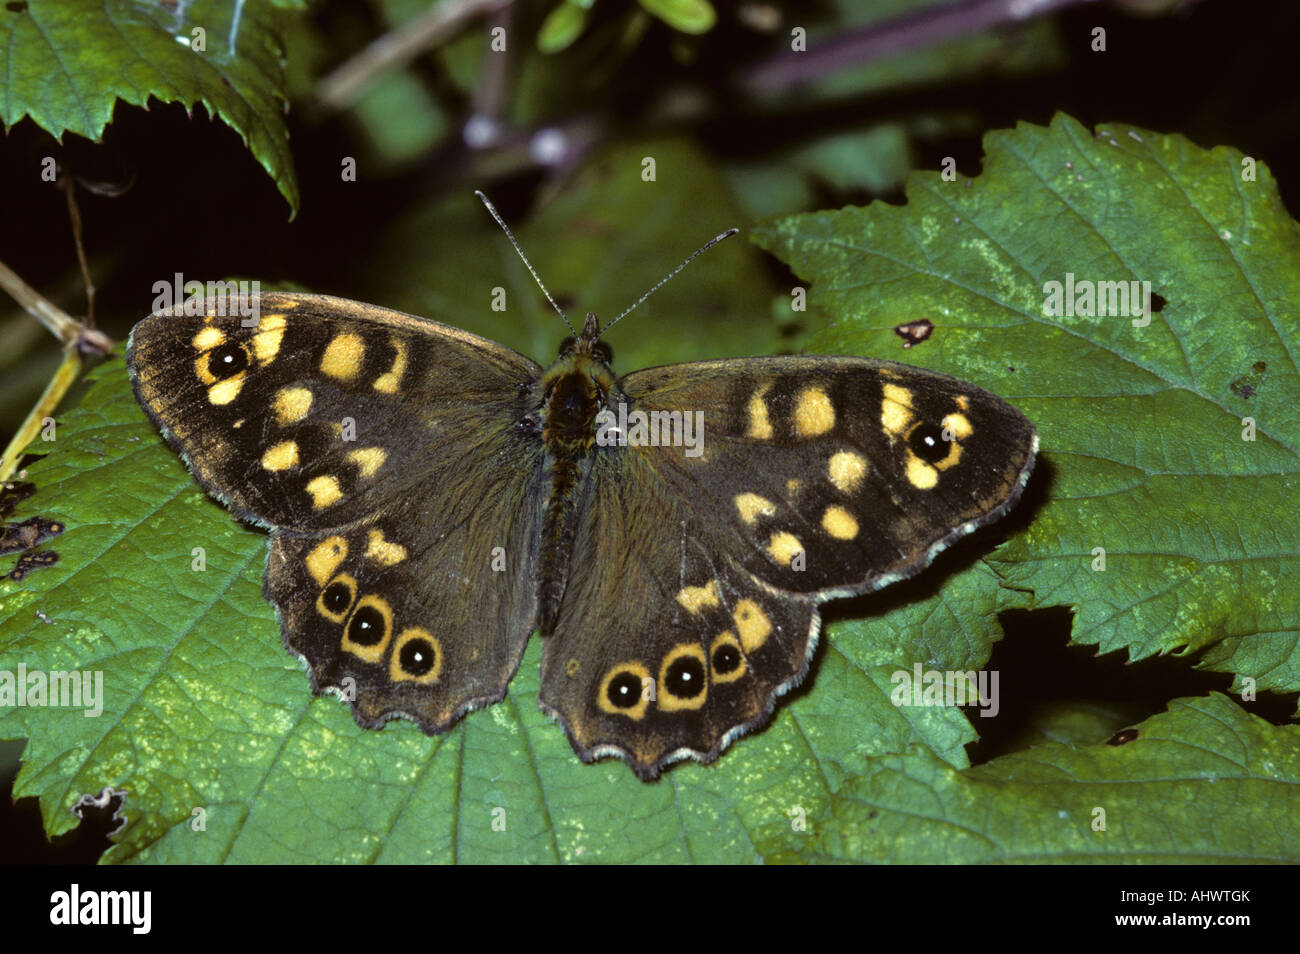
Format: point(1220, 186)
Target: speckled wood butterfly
point(433, 498)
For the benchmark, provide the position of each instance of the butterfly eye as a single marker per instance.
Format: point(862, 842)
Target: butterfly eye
point(603, 352)
point(566, 346)
point(227, 361)
point(927, 442)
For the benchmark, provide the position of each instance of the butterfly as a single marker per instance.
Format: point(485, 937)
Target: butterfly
point(433, 498)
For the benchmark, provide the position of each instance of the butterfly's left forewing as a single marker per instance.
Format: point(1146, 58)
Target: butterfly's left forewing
point(699, 567)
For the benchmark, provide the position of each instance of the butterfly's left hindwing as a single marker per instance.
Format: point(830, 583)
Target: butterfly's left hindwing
point(698, 570)
point(383, 452)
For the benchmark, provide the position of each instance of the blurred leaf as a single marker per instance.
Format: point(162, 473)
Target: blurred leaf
point(66, 63)
point(562, 26)
point(689, 16)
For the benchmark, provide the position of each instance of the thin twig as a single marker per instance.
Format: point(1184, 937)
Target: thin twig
point(62, 325)
point(343, 86)
point(63, 378)
point(879, 41)
point(69, 186)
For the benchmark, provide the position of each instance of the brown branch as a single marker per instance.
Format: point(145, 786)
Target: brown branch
point(343, 86)
point(880, 41)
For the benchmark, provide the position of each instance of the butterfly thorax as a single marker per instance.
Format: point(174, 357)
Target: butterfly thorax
point(574, 390)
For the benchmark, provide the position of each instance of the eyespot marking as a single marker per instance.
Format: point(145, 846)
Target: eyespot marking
point(726, 659)
point(369, 628)
point(622, 691)
point(417, 657)
point(683, 678)
point(336, 598)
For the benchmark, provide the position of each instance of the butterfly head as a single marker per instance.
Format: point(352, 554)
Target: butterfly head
point(587, 345)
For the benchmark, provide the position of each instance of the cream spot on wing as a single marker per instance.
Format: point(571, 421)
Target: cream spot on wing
point(846, 470)
point(342, 357)
point(895, 409)
point(963, 402)
point(759, 425)
point(696, 598)
point(382, 551)
point(752, 624)
point(324, 491)
point(958, 425)
point(920, 474)
point(267, 338)
point(223, 392)
point(209, 338)
point(368, 459)
point(388, 382)
point(291, 405)
point(325, 558)
point(813, 413)
point(839, 523)
point(281, 457)
point(783, 547)
point(752, 506)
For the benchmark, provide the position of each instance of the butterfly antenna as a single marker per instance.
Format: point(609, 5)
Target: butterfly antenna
point(694, 255)
point(537, 278)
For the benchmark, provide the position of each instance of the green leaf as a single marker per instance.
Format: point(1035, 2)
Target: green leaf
point(1142, 432)
point(1203, 783)
point(67, 63)
point(689, 16)
point(561, 27)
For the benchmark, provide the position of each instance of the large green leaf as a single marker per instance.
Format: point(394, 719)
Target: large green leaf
point(1202, 783)
point(204, 710)
point(67, 63)
point(1141, 426)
